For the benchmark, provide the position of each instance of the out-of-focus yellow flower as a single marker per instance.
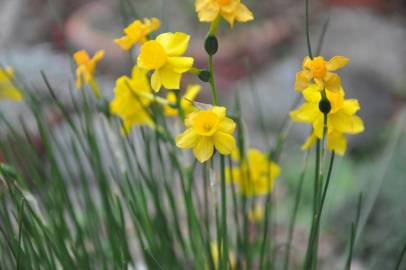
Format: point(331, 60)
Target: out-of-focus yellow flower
point(320, 72)
point(208, 130)
point(164, 56)
point(7, 88)
point(341, 118)
point(256, 174)
point(132, 99)
point(186, 102)
point(230, 10)
point(86, 67)
point(257, 213)
point(137, 32)
point(214, 250)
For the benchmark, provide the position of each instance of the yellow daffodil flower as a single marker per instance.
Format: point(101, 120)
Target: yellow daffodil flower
point(85, 69)
point(7, 88)
point(208, 130)
point(230, 10)
point(319, 71)
point(163, 56)
point(256, 174)
point(341, 118)
point(214, 250)
point(137, 32)
point(186, 102)
point(132, 99)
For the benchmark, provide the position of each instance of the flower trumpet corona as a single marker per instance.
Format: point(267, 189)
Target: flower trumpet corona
point(256, 174)
point(7, 88)
point(208, 130)
point(137, 32)
point(319, 71)
point(230, 10)
point(132, 100)
point(186, 102)
point(341, 118)
point(85, 69)
point(164, 57)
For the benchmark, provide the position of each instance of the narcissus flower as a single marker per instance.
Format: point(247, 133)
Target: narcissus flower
point(208, 130)
point(256, 174)
point(186, 102)
point(85, 69)
point(7, 88)
point(132, 99)
point(164, 57)
point(230, 10)
point(319, 71)
point(137, 32)
point(341, 118)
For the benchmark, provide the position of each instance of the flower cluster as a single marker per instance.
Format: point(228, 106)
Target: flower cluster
point(325, 107)
point(256, 174)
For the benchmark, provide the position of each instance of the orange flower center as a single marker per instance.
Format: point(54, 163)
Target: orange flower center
point(223, 2)
point(152, 55)
point(319, 67)
point(206, 123)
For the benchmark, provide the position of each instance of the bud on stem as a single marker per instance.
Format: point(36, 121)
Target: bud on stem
point(211, 45)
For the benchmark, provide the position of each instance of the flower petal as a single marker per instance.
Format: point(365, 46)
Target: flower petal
point(337, 62)
point(81, 57)
point(175, 44)
point(309, 142)
point(220, 111)
point(207, 11)
point(180, 64)
point(333, 82)
point(227, 125)
point(307, 113)
point(10, 92)
point(156, 81)
point(351, 106)
point(124, 42)
point(204, 148)
point(170, 79)
point(98, 56)
point(187, 139)
point(224, 142)
point(302, 80)
point(243, 13)
point(337, 142)
point(312, 94)
point(346, 123)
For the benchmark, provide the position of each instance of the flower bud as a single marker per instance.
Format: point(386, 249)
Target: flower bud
point(204, 75)
point(324, 106)
point(211, 45)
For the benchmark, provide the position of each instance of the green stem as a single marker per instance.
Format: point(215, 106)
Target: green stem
point(309, 47)
point(295, 210)
point(95, 88)
point(212, 81)
point(224, 231)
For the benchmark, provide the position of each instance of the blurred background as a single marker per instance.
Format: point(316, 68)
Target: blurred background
point(259, 61)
